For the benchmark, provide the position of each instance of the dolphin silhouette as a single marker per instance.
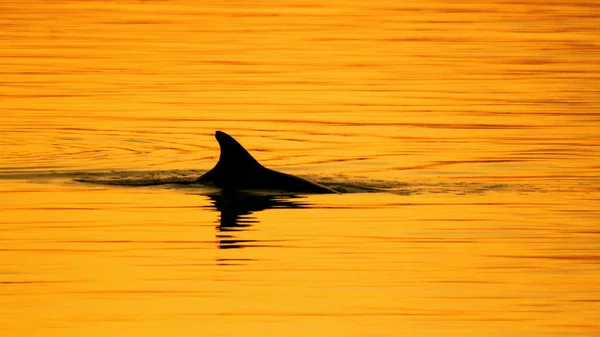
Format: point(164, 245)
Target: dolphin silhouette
point(238, 170)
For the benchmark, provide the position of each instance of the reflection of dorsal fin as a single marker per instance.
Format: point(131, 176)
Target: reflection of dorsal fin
point(233, 154)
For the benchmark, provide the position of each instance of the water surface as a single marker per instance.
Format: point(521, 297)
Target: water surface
point(463, 135)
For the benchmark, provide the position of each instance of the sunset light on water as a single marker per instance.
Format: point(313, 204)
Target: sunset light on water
point(461, 137)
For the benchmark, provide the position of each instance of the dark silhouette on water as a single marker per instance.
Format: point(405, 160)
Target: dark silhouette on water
point(236, 210)
point(238, 170)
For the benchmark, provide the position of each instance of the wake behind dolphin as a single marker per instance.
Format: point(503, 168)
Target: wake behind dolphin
point(238, 170)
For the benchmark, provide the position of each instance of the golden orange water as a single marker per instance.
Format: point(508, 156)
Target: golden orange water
point(480, 120)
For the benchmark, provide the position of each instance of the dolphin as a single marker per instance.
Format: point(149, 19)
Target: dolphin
point(238, 170)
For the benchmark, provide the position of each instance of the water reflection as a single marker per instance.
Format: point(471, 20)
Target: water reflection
point(237, 213)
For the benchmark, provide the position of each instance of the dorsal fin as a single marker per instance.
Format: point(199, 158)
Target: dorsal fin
point(233, 154)
point(238, 170)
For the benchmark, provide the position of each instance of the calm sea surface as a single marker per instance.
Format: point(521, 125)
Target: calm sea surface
point(474, 126)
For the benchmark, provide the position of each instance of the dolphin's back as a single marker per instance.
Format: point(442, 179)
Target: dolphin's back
point(287, 182)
